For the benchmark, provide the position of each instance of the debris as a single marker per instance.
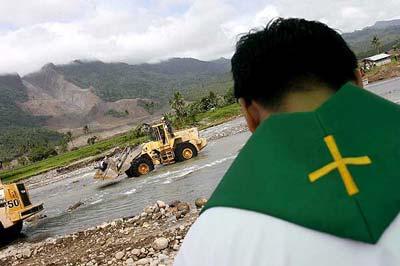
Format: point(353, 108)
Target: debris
point(75, 206)
point(137, 240)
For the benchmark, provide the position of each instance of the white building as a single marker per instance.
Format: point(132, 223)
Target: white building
point(377, 60)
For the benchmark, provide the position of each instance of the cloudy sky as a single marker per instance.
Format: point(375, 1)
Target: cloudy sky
point(33, 33)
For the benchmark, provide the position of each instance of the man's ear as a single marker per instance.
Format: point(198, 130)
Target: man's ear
point(251, 114)
point(358, 76)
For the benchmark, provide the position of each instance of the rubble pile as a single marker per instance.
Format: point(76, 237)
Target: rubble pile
point(151, 238)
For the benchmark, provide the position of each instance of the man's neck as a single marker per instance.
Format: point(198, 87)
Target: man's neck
point(300, 101)
point(305, 101)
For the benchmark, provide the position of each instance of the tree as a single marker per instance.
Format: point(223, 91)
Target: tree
point(92, 140)
point(376, 43)
point(209, 102)
point(396, 46)
point(229, 96)
point(41, 152)
point(69, 137)
point(178, 104)
point(149, 106)
point(63, 146)
point(85, 129)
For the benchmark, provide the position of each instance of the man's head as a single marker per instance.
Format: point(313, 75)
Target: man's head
point(289, 57)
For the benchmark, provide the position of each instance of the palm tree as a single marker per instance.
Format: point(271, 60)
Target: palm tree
point(376, 43)
point(396, 46)
point(178, 105)
point(85, 129)
point(69, 137)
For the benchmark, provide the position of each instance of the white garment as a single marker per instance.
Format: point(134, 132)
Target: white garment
point(226, 236)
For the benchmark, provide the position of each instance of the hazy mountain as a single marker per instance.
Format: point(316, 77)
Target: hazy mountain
point(116, 81)
point(388, 33)
point(386, 24)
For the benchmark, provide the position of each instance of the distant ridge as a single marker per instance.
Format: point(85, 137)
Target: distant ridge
point(386, 24)
point(388, 33)
point(116, 81)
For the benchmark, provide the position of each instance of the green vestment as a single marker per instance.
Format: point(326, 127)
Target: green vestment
point(275, 174)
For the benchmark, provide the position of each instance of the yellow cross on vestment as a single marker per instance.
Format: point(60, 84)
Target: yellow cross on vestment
point(341, 164)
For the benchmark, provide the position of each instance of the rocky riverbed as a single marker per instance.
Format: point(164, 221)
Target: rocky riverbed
point(150, 238)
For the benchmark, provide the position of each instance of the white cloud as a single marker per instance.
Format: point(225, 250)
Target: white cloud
point(345, 15)
point(27, 12)
point(33, 33)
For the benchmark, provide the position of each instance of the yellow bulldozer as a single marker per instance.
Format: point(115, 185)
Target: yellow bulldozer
point(15, 207)
point(164, 147)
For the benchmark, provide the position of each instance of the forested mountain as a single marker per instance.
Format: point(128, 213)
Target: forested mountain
point(19, 130)
point(388, 33)
point(12, 92)
point(116, 81)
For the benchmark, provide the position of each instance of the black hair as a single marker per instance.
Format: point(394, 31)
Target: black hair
point(290, 54)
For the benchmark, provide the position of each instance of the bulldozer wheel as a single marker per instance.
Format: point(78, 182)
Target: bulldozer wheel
point(185, 151)
point(11, 232)
point(140, 166)
point(143, 168)
point(16, 229)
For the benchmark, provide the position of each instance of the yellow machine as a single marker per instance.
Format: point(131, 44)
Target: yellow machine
point(165, 147)
point(15, 207)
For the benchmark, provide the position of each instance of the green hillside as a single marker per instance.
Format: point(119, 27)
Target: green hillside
point(16, 141)
point(388, 33)
point(12, 91)
point(19, 132)
point(116, 81)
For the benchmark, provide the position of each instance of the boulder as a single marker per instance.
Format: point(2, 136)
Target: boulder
point(135, 252)
point(130, 262)
point(182, 208)
point(119, 255)
point(149, 210)
point(143, 261)
point(162, 257)
point(160, 243)
point(161, 204)
point(174, 203)
point(26, 253)
point(200, 202)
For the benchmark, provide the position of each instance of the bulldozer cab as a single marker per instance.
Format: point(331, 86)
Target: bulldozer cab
point(164, 136)
point(160, 133)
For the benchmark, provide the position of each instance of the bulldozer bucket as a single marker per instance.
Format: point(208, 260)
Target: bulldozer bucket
point(110, 173)
point(132, 155)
